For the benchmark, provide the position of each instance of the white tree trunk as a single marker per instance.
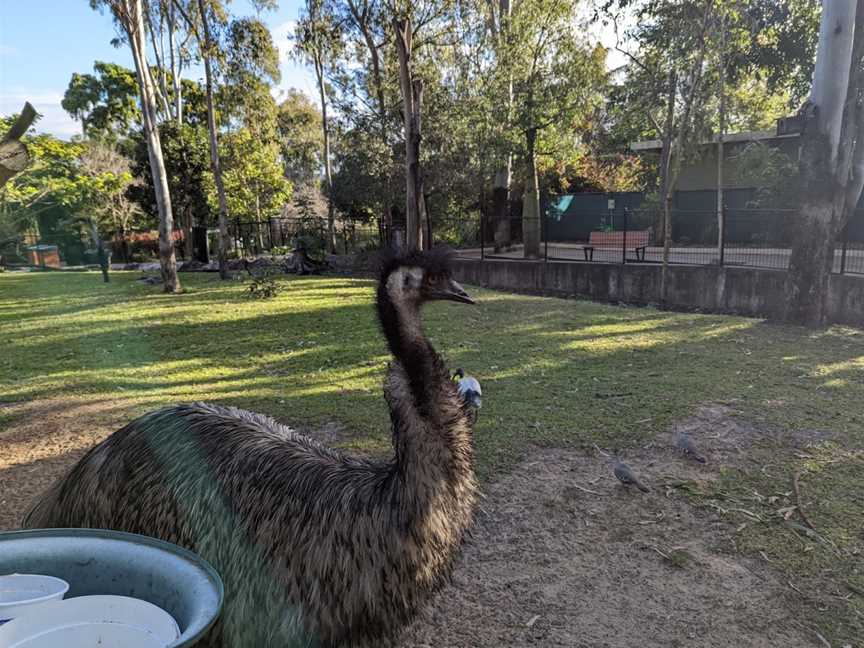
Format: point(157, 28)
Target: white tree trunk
point(831, 75)
point(134, 26)
point(328, 173)
point(721, 214)
point(175, 68)
point(831, 163)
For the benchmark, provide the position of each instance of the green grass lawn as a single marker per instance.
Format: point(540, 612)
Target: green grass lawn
point(554, 373)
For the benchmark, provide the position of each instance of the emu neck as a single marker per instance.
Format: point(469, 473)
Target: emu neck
point(432, 437)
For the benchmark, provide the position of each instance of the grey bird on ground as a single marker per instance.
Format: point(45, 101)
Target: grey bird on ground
point(625, 475)
point(685, 444)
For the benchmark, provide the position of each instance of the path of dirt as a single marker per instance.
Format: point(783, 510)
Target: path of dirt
point(561, 555)
point(44, 439)
point(553, 564)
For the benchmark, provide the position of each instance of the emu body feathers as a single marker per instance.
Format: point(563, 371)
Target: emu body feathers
point(315, 548)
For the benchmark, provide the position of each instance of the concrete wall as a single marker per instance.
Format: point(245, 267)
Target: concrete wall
point(744, 291)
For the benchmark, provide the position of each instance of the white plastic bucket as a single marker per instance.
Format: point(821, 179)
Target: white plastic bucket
point(90, 621)
point(20, 592)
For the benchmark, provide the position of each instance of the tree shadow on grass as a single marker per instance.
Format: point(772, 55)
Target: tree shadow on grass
point(554, 371)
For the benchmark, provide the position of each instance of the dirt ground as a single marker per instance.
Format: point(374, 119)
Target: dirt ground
point(561, 555)
point(44, 439)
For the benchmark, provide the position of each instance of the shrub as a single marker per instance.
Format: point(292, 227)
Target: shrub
point(263, 286)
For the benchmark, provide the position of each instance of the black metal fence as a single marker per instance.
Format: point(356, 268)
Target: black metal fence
point(282, 234)
point(758, 238)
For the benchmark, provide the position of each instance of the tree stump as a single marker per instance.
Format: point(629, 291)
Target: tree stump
point(301, 263)
point(13, 153)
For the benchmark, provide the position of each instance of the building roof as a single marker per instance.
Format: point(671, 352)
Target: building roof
point(728, 138)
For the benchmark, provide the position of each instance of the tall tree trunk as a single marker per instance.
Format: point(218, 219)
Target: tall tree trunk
point(679, 141)
point(721, 215)
point(135, 31)
point(666, 184)
point(531, 201)
point(160, 89)
point(503, 176)
point(501, 206)
point(325, 126)
point(412, 96)
point(362, 20)
point(215, 164)
point(831, 163)
point(175, 68)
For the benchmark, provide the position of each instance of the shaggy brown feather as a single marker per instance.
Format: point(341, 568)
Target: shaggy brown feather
point(315, 548)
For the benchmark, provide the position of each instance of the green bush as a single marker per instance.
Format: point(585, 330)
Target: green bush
point(263, 287)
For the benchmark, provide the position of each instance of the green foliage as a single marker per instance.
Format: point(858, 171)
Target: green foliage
point(556, 77)
point(364, 169)
point(255, 183)
point(69, 192)
point(773, 172)
point(766, 47)
point(301, 141)
point(106, 102)
point(263, 286)
point(186, 154)
point(251, 65)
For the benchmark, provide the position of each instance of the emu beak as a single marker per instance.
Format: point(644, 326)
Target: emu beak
point(453, 292)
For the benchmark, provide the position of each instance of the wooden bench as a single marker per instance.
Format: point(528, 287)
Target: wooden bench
point(637, 240)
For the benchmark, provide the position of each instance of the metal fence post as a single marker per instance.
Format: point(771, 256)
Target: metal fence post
point(544, 227)
point(482, 237)
point(723, 234)
point(624, 240)
point(843, 250)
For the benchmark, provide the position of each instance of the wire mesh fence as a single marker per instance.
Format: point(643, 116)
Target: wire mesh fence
point(757, 238)
point(461, 233)
point(283, 234)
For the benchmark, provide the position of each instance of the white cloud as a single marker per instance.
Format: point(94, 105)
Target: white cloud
point(54, 119)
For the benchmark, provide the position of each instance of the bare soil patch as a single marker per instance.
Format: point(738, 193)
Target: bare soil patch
point(44, 440)
point(563, 555)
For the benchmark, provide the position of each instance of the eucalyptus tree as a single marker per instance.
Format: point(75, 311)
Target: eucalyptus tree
point(129, 16)
point(556, 78)
point(105, 102)
point(300, 138)
point(317, 40)
point(831, 163)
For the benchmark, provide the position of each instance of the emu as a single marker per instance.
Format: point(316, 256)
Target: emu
point(315, 548)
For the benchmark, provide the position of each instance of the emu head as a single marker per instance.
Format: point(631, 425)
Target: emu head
point(414, 278)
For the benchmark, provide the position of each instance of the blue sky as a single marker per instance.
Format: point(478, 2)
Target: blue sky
point(42, 42)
